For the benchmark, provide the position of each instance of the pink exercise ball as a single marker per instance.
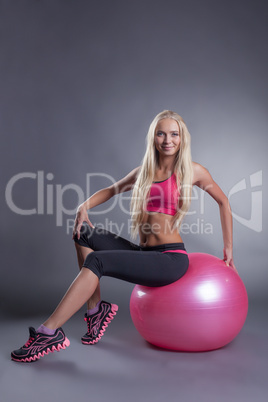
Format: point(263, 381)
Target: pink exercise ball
point(204, 310)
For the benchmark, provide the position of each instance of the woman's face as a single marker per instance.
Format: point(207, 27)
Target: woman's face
point(167, 138)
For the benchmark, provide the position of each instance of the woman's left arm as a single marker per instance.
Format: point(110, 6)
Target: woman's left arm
point(202, 178)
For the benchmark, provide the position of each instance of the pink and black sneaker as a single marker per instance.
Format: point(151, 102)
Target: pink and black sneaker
point(98, 322)
point(39, 345)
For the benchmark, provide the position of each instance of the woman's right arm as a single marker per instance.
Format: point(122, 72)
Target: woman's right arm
point(101, 196)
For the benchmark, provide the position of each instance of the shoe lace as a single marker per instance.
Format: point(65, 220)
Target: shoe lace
point(30, 340)
point(87, 320)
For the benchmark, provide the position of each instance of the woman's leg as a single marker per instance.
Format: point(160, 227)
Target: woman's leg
point(50, 336)
point(98, 239)
point(147, 268)
point(82, 253)
point(99, 313)
point(82, 288)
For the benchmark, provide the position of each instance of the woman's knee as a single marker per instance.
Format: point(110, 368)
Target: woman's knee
point(93, 263)
point(86, 233)
point(86, 230)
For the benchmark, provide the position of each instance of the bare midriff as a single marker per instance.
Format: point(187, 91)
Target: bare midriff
point(156, 229)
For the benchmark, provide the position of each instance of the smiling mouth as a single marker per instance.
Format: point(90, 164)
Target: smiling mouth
point(167, 147)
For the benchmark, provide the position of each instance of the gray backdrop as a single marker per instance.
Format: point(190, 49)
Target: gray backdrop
point(81, 82)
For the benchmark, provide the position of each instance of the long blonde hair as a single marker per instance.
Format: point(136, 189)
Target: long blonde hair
point(182, 169)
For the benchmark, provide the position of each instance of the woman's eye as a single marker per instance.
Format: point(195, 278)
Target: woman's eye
point(159, 133)
point(176, 134)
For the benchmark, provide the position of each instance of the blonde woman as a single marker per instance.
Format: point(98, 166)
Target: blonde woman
point(161, 197)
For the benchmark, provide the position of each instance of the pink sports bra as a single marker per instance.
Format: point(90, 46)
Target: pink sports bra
point(163, 196)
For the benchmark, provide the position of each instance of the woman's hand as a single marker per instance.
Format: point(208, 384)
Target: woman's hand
point(228, 258)
point(81, 216)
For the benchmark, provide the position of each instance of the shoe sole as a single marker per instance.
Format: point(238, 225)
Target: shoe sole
point(108, 319)
point(34, 358)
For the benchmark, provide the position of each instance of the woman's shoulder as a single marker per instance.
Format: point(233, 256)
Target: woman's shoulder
point(126, 183)
point(197, 167)
point(199, 172)
point(136, 171)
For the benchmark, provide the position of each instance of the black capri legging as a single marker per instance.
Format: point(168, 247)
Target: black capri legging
point(117, 257)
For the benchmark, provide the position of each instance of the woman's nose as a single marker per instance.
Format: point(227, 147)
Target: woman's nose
point(167, 140)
